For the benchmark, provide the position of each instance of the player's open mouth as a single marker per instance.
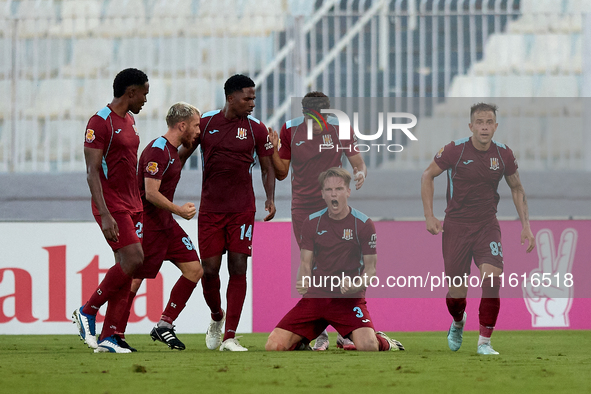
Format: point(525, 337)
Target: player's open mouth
point(334, 203)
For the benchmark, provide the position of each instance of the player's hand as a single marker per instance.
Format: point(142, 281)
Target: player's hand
point(345, 289)
point(549, 305)
point(110, 228)
point(358, 177)
point(434, 226)
point(301, 289)
point(526, 234)
point(274, 138)
point(188, 211)
point(270, 207)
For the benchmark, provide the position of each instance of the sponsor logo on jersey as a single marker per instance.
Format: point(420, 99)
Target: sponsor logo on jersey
point(90, 135)
point(322, 232)
point(347, 234)
point(494, 163)
point(372, 241)
point(213, 131)
point(438, 155)
point(117, 131)
point(327, 140)
point(241, 133)
point(152, 168)
point(468, 162)
point(136, 132)
point(300, 143)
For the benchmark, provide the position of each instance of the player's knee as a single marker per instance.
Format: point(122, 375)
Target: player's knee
point(369, 344)
point(274, 346)
point(193, 271)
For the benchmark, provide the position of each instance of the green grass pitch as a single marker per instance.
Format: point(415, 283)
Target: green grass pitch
point(530, 362)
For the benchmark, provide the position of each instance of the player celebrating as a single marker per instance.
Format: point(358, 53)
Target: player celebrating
point(334, 241)
point(307, 162)
point(230, 139)
point(110, 151)
point(475, 165)
point(160, 171)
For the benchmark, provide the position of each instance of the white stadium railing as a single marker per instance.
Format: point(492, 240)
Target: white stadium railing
point(58, 59)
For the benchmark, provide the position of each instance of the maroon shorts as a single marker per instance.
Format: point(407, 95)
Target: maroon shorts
point(464, 241)
point(311, 316)
point(171, 244)
point(130, 226)
point(218, 232)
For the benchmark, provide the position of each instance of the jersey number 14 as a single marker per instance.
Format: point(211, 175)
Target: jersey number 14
point(247, 234)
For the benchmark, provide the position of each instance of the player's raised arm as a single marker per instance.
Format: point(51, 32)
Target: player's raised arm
point(520, 201)
point(280, 165)
point(305, 271)
point(427, 191)
point(153, 195)
point(94, 159)
point(359, 170)
point(268, 176)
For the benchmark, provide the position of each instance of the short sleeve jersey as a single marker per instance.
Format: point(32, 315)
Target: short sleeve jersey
point(473, 177)
point(338, 246)
point(310, 157)
point(159, 160)
point(119, 140)
point(228, 149)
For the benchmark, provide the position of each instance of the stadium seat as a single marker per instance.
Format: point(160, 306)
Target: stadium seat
point(559, 86)
point(123, 18)
point(78, 18)
point(95, 94)
point(36, 17)
point(53, 98)
point(512, 86)
point(90, 58)
point(169, 17)
point(470, 86)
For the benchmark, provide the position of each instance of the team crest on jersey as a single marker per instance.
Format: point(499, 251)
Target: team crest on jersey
point(327, 140)
point(440, 152)
point(372, 241)
point(241, 133)
point(152, 168)
point(494, 163)
point(348, 234)
point(136, 132)
point(90, 135)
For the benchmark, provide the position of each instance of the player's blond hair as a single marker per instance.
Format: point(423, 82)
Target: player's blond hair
point(337, 172)
point(180, 112)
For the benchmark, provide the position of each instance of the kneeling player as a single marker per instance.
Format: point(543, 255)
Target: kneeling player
point(336, 239)
point(158, 175)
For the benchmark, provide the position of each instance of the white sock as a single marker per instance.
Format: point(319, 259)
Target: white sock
point(461, 323)
point(482, 340)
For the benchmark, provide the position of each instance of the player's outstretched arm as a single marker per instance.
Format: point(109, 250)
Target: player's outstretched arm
point(427, 191)
point(154, 196)
point(359, 170)
point(520, 201)
point(185, 153)
point(280, 165)
point(304, 271)
point(94, 160)
point(268, 176)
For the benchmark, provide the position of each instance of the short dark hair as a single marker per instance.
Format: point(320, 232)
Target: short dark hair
point(236, 83)
point(126, 78)
point(483, 107)
point(336, 172)
point(316, 101)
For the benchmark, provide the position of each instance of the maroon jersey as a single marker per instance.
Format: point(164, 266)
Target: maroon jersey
point(228, 149)
point(473, 178)
point(159, 160)
point(119, 140)
point(338, 246)
point(308, 161)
